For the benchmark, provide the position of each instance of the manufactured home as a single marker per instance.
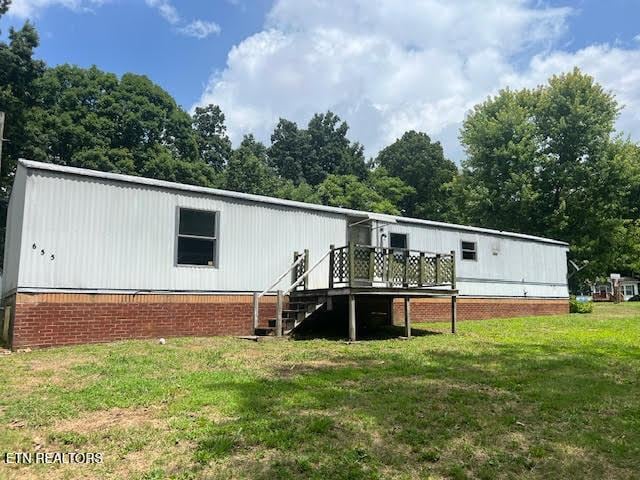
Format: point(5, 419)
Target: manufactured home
point(92, 256)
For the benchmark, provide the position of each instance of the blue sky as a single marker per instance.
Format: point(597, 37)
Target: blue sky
point(385, 66)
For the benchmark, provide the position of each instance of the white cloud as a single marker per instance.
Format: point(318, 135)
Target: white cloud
point(200, 29)
point(32, 8)
point(389, 66)
point(197, 28)
point(166, 9)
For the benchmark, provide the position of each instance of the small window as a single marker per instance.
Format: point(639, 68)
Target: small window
point(469, 251)
point(629, 290)
point(196, 237)
point(398, 240)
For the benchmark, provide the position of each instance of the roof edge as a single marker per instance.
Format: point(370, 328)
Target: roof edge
point(118, 177)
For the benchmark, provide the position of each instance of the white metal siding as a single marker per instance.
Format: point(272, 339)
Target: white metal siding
point(122, 236)
point(110, 235)
point(13, 232)
point(518, 267)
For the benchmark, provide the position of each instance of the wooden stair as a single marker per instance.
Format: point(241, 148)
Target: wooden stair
point(299, 309)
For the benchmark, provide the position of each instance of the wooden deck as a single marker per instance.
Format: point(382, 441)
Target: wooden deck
point(363, 271)
point(377, 291)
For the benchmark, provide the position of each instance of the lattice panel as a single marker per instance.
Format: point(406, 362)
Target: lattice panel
point(379, 266)
point(446, 269)
point(361, 261)
point(429, 271)
point(413, 269)
point(396, 269)
point(340, 265)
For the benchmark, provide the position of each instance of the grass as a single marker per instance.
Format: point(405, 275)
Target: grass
point(547, 397)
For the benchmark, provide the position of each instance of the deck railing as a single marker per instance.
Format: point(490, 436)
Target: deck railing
point(362, 265)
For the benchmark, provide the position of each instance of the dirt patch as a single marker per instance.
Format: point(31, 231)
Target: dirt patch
point(121, 418)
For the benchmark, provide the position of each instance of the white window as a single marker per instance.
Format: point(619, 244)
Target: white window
point(197, 237)
point(469, 251)
point(629, 290)
point(398, 240)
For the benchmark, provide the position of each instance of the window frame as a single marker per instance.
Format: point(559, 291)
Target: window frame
point(463, 250)
point(406, 242)
point(633, 290)
point(215, 239)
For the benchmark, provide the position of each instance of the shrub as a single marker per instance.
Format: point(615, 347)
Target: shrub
point(580, 307)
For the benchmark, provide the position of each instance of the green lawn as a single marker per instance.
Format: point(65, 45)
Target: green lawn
point(548, 397)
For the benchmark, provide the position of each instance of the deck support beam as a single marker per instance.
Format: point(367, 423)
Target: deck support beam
point(454, 313)
point(352, 318)
point(279, 302)
point(407, 316)
point(256, 315)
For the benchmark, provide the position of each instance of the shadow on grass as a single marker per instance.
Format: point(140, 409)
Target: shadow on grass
point(514, 410)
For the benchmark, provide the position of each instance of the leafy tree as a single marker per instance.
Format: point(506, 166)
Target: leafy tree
point(165, 166)
point(248, 171)
point(543, 161)
point(331, 151)
point(320, 150)
point(349, 192)
point(4, 6)
point(211, 135)
point(18, 74)
point(90, 118)
point(422, 165)
point(392, 189)
point(497, 189)
point(290, 147)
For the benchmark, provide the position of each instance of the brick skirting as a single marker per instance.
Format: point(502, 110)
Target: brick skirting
point(439, 309)
point(51, 319)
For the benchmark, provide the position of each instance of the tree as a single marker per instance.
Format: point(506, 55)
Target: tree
point(390, 188)
point(290, 147)
point(214, 145)
point(320, 150)
point(18, 74)
point(92, 119)
point(349, 192)
point(422, 165)
point(544, 161)
point(331, 151)
point(4, 6)
point(248, 171)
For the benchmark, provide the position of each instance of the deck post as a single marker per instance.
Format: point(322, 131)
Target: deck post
point(279, 302)
point(454, 298)
point(407, 317)
point(390, 311)
point(438, 269)
point(453, 269)
point(352, 263)
point(332, 264)
point(421, 270)
point(294, 272)
point(454, 313)
point(352, 318)
point(306, 268)
point(256, 315)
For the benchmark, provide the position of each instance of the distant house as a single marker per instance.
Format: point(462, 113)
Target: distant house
point(92, 256)
point(604, 291)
